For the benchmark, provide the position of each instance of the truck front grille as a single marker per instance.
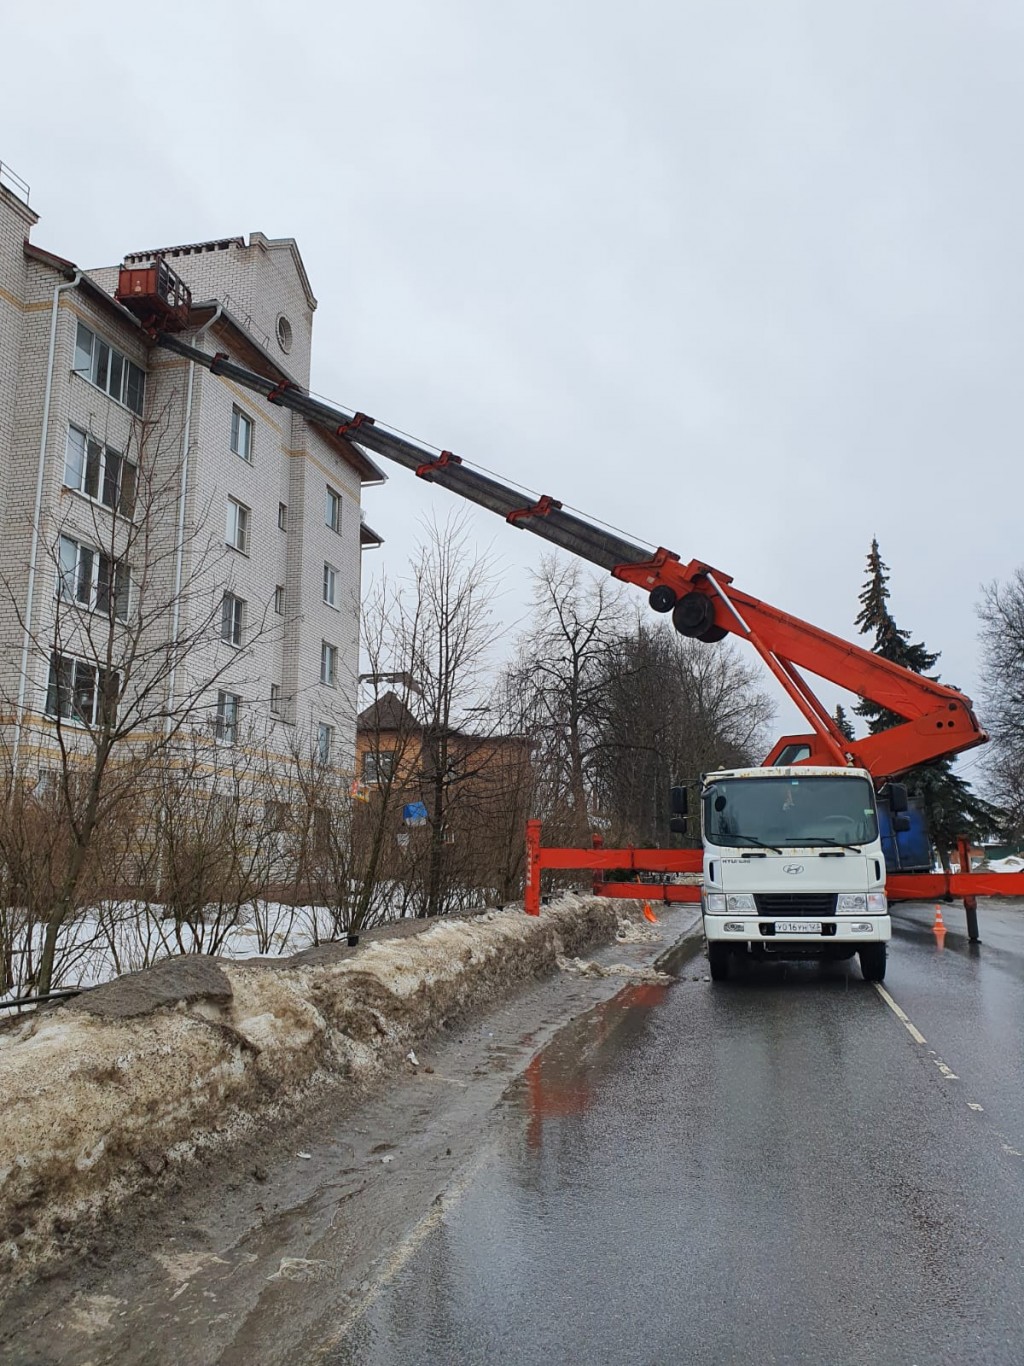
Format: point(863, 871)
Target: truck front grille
point(808, 905)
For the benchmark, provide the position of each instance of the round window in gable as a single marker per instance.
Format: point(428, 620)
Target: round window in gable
point(284, 334)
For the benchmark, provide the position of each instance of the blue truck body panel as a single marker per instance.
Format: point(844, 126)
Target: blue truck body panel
point(908, 851)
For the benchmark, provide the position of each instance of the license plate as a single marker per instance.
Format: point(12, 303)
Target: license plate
point(798, 927)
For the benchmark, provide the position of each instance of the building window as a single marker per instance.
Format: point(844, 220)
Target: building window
point(101, 365)
point(282, 516)
point(232, 616)
point(99, 472)
point(276, 816)
point(88, 577)
point(241, 434)
point(237, 532)
point(330, 585)
point(324, 742)
point(279, 599)
point(275, 699)
point(226, 726)
point(332, 514)
point(223, 813)
point(328, 664)
point(378, 766)
point(77, 690)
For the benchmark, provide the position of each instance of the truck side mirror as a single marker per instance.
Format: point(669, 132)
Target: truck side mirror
point(897, 798)
point(900, 822)
point(679, 798)
point(677, 825)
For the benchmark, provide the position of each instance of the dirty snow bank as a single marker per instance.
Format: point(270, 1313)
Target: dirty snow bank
point(101, 1096)
point(1013, 863)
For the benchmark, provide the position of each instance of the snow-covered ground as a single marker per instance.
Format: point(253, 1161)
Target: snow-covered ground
point(127, 936)
point(104, 1094)
point(1011, 864)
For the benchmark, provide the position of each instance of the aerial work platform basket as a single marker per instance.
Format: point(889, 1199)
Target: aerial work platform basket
point(158, 297)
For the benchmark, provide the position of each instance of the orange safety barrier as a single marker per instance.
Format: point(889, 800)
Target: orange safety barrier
point(898, 886)
point(599, 858)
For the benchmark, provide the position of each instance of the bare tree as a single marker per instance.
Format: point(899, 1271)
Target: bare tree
point(502, 797)
point(619, 708)
point(443, 631)
point(668, 708)
point(561, 663)
point(1002, 636)
point(389, 741)
point(214, 852)
point(135, 606)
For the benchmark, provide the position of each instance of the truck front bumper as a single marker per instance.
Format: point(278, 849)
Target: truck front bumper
point(776, 933)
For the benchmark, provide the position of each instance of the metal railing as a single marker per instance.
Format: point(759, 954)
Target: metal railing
point(19, 1001)
point(14, 182)
point(247, 321)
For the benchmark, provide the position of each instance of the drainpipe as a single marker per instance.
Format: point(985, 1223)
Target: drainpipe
point(40, 473)
point(186, 442)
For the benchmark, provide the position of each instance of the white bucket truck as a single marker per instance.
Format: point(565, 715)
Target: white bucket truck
point(793, 866)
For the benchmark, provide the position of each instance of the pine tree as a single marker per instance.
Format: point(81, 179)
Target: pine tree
point(843, 723)
point(950, 807)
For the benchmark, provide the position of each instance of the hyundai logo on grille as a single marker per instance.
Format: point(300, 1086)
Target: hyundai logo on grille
point(793, 868)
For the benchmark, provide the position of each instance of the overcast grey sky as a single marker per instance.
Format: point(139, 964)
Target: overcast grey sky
point(742, 278)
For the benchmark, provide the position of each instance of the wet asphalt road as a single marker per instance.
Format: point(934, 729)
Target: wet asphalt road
point(772, 1171)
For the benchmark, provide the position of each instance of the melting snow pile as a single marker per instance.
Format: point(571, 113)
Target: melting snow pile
point(1013, 863)
point(102, 1094)
point(634, 932)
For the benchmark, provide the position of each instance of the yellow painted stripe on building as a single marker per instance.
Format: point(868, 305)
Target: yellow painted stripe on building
point(330, 474)
point(162, 365)
point(24, 306)
point(41, 749)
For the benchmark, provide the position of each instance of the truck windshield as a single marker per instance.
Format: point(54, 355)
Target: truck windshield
point(790, 812)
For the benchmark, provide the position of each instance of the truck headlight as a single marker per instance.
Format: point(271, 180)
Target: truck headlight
point(741, 901)
point(851, 901)
point(877, 903)
point(715, 903)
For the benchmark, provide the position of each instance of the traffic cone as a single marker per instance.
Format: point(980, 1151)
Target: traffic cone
point(939, 929)
point(649, 914)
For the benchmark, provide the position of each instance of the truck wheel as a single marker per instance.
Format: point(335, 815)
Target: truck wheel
point(872, 962)
point(718, 962)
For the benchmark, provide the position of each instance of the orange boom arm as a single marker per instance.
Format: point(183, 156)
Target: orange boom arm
point(939, 721)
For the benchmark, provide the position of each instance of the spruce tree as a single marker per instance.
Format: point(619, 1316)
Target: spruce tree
point(889, 642)
point(843, 722)
point(950, 807)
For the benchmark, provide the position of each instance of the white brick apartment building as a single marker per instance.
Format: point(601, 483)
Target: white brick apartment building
point(250, 507)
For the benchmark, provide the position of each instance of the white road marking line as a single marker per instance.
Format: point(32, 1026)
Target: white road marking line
point(901, 1015)
point(947, 1072)
point(914, 1032)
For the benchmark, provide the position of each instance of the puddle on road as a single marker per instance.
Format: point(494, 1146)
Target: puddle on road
point(559, 1082)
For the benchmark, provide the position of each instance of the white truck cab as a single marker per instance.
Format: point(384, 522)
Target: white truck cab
point(793, 867)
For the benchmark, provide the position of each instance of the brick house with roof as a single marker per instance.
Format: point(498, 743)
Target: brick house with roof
point(483, 784)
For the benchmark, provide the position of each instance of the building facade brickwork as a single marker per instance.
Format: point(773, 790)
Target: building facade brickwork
point(252, 523)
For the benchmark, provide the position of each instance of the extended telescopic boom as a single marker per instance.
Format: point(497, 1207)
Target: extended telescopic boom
point(939, 720)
